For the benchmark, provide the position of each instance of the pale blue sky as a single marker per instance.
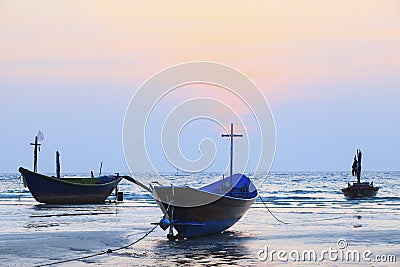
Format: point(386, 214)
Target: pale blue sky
point(330, 73)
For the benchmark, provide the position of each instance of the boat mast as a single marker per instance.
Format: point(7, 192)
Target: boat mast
point(35, 153)
point(58, 169)
point(359, 155)
point(231, 135)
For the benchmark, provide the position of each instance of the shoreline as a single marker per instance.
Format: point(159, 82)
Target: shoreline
point(26, 239)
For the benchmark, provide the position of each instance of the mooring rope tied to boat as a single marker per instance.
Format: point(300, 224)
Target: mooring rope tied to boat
point(273, 215)
point(101, 253)
point(8, 187)
point(71, 214)
point(308, 221)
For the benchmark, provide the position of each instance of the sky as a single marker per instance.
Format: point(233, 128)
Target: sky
point(330, 71)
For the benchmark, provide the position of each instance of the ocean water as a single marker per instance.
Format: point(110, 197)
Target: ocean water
point(316, 218)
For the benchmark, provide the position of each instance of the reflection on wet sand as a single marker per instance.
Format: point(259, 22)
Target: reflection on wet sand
point(214, 250)
point(317, 214)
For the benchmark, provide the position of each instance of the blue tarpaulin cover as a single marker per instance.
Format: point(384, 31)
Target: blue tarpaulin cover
point(243, 189)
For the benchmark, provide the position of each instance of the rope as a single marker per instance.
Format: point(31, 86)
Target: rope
point(100, 253)
point(273, 215)
point(18, 178)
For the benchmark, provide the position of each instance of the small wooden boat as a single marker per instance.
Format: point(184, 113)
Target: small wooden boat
point(206, 210)
point(359, 190)
point(57, 190)
point(53, 190)
point(211, 209)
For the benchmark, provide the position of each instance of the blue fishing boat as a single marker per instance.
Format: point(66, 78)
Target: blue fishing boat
point(207, 210)
point(211, 209)
point(53, 190)
point(71, 190)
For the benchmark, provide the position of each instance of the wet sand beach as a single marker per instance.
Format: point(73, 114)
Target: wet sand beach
point(316, 216)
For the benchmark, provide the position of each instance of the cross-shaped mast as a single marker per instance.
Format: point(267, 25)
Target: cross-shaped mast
point(35, 153)
point(231, 135)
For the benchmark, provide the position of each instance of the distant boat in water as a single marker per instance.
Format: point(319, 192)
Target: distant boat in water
point(359, 190)
point(179, 174)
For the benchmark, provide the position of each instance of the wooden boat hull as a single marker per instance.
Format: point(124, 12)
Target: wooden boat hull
point(194, 212)
point(360, 190)
point(51, 190)
point(210, 218)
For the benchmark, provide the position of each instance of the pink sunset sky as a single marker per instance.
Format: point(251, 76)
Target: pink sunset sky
point(330, 71)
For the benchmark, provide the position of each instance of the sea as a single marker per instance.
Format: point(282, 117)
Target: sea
point(302, 219)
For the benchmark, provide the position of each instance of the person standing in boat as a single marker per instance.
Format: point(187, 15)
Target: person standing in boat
point(354, 167)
